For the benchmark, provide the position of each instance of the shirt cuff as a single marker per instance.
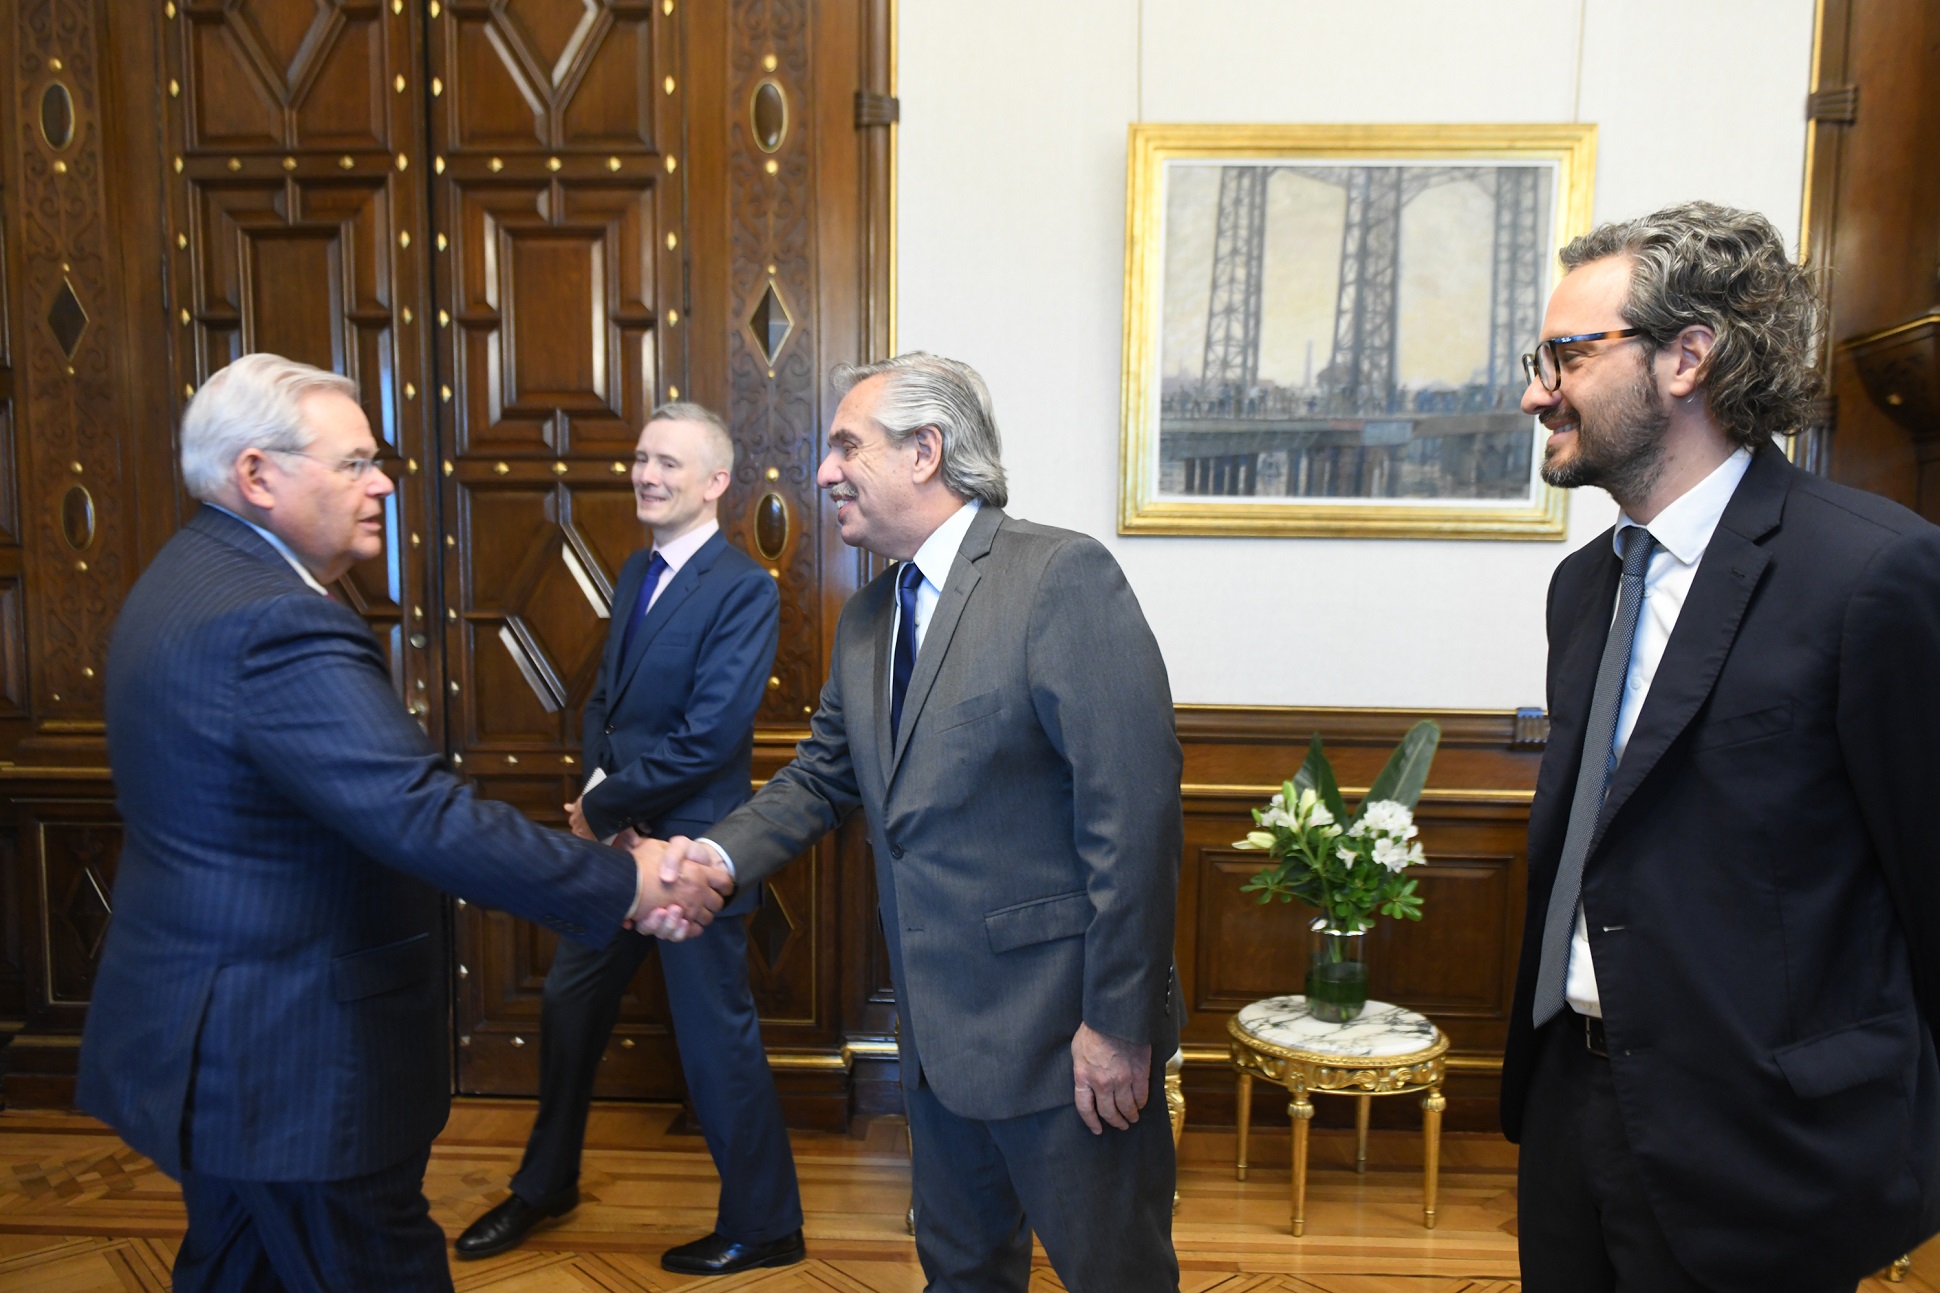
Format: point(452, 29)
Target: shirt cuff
point(727, 863)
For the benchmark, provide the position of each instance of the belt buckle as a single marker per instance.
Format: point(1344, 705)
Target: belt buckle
point(1594, 1040)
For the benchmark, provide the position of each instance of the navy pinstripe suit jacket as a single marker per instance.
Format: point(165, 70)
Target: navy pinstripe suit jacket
point(271, 1000)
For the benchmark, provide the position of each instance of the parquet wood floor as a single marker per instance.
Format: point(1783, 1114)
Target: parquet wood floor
point(82, 1213)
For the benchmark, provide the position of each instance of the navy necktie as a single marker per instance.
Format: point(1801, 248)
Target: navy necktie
point(905, 664)
point(655, 569)
point(1592, 778)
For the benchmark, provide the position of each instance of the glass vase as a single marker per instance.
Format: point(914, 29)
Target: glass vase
point(1336, 972)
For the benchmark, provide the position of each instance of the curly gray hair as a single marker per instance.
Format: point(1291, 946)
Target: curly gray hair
point(1701, 263)
point(925, 390)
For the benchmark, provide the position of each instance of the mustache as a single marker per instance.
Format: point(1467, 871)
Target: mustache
point(842, 493)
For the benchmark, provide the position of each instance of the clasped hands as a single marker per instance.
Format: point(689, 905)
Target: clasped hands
point(682, 883)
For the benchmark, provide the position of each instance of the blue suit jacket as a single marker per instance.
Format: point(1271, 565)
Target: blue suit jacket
point(672, 723)
point(271, 999)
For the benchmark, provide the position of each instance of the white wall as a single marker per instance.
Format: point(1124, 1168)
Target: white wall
point(1011, 213)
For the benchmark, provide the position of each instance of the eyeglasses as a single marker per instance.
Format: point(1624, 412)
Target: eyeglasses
point(355, 468)
point(1544, 368)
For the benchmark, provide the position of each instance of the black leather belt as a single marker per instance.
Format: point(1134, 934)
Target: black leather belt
point(1593, 1039)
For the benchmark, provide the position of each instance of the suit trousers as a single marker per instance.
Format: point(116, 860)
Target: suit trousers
point(367, 1234)
point(728, 1080)
point(1101, 1205)
point(1584, 1222)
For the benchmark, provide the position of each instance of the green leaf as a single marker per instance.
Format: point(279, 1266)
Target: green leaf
point(1407, 768)
point(1318, 773)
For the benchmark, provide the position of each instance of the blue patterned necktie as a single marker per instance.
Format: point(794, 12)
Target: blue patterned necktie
point(655, 569)
point(1592, 778)
point(907, 580)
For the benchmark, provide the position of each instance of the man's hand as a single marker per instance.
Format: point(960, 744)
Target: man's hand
point(1113, 1079)
point(577, 820)
point(680, 856)
point(676, 900)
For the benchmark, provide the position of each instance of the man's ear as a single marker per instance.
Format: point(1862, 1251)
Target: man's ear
point(251, 480)
point(928, 443)
point(717, 484)
point(1690, 353)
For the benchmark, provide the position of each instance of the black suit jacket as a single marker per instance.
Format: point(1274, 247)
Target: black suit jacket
point(1763, 895)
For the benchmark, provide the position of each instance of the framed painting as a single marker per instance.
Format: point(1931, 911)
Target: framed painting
point(1324, 327)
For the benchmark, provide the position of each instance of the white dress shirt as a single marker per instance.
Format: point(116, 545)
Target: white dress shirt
point(934, 559)
point(280, 546)
point(1683, 530)
point(678, 552)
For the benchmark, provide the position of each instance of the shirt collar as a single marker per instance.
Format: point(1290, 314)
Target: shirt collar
point(280, 546)
point(939, 551)
point(1684, 528)
point(678, 552)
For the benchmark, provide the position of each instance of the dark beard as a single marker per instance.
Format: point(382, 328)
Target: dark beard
point(1620, 448)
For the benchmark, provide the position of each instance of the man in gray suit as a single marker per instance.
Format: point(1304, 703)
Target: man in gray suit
point(997, 707)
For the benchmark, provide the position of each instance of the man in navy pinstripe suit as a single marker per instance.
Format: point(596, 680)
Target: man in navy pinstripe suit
point(669, 736)
point(269, 1020)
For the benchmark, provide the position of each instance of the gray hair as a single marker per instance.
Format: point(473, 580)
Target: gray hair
point(924, 390)
point(254, 403)
point(1700, 263)
point(719, 442)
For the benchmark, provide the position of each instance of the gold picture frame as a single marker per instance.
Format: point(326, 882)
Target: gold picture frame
point(1351, 449)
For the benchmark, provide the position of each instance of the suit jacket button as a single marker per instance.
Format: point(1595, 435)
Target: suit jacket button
point(609, 729)
point(895, 850)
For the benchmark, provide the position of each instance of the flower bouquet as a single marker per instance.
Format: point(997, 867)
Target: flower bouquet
point(1349, 866)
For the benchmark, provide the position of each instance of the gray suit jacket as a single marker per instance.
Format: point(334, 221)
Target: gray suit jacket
point(1026, 825)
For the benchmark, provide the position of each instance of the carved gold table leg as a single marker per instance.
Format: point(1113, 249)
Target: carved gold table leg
point(1362, 1106)
point(1432, 1105)
point(1896, 1273)
point(1245, 1115)
point(1302, 1113)
point(1175, 1106)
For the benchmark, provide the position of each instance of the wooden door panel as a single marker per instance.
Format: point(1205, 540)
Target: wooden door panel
point(561, 228)
point(554, 316)
point(231, 106)
point(299, 231)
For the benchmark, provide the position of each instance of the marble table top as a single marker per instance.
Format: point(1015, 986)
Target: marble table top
point(1379, 1031)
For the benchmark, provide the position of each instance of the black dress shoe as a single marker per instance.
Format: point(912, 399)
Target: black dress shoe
point(717, 1256)
point(511, 1221)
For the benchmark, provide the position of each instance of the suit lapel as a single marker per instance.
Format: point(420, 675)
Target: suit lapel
point(964, 577)
point(1729, 573)
point(882, 673)
point(679, 587)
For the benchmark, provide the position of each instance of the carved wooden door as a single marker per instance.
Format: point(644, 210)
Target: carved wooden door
point(520, 225)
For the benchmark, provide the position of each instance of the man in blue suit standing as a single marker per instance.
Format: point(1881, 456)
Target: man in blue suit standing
point(269, 1022)
point(669, 742)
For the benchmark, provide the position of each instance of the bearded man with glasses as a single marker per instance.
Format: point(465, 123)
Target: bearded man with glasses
point(1721, 1062)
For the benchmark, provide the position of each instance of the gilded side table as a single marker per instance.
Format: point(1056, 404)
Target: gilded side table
point(1385, 1051)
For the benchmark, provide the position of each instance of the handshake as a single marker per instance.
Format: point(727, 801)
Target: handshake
point(683, 883)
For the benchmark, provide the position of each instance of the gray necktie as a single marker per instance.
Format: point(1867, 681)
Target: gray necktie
point(1593, 777)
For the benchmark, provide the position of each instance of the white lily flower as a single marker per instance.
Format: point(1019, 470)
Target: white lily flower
point(1389, 817)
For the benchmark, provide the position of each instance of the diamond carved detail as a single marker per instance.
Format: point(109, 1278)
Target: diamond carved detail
point(771, 323)
point(66, 319)
point(771, 927)
point(87, 911)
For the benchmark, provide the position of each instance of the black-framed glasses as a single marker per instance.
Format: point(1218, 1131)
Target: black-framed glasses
point(1546, 370)
point(355, 468)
